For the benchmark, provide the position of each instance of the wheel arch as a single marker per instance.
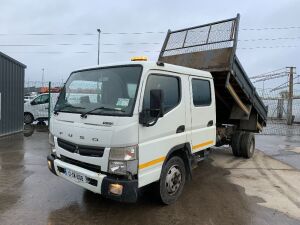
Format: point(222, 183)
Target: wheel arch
point(184, 152)
point(27, 112)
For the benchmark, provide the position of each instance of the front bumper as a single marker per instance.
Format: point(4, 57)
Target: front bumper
point(95, 182)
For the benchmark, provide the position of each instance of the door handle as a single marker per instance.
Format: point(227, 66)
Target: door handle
point(210, 123)
point(180, 129)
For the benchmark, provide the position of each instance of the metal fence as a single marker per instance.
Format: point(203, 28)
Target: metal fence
point(277, 102)
point(39, 86)
point(40, 99)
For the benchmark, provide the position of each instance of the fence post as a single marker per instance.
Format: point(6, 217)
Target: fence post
point(280, 102)
point(49, 105)
point(290, 98)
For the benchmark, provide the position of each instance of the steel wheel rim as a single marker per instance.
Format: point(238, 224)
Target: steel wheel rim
point(173, 180)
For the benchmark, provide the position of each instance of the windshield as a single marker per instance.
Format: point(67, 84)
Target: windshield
point(104, 91)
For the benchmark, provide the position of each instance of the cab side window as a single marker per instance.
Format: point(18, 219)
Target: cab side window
point(201, 92)
point(171, 89)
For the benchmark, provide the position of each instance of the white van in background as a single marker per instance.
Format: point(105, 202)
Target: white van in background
point(37, 109)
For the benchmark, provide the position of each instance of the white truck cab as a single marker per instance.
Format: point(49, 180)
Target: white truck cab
point(118, 128)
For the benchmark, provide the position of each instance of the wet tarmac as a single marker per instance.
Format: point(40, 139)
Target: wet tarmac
point(283, 148)
point(221, 192)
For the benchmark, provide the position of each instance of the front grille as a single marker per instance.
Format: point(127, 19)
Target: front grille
point(81, 149)
point(84, 165)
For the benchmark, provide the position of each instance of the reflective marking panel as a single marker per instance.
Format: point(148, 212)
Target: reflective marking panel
point(151, 163)
point(210, 142)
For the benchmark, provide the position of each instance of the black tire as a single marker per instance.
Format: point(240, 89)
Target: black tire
point(235, 143)
point(28, 118)
point(247, 145)
point(172, 180)
point(28, 130)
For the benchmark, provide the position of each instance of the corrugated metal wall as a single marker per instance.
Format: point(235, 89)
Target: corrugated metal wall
point(12, 95)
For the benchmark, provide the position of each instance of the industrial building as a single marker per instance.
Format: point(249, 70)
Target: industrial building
point(12, 75)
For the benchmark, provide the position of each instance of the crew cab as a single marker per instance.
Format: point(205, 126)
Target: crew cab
point(120, 127)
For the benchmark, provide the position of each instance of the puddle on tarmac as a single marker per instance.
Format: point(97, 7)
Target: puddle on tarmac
point(29, 129)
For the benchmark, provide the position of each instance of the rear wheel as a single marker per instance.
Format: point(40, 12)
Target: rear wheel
point(235, 143)
point(172, 180)
point(247, 145)
point(28, 118)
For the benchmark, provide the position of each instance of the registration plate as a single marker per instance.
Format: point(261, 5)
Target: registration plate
point(75, 176)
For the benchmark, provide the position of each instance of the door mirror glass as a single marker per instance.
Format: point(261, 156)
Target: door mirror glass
point(156, 103)
point(149, 117)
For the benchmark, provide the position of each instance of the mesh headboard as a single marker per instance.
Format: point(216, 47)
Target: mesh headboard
point(209, 47)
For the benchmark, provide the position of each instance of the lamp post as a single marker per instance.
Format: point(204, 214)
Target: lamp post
point(99, 31)
point(43, 73)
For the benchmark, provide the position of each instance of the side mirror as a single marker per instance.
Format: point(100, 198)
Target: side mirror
point(149, 117)
point(32, 102)
point(156, 103)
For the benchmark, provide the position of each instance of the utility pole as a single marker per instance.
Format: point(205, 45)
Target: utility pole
point(43, 73)
point(263, 91)
point(290, 97)
point(99, 31)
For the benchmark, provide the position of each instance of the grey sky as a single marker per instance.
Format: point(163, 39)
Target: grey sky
point(59, 17)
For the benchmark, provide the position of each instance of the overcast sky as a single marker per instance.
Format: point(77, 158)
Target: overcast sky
point(60, 54)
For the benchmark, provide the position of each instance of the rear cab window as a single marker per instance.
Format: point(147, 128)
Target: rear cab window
point(201, 92)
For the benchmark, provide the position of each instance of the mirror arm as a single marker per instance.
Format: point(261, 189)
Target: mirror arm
point(152, 122)
point(149, 124)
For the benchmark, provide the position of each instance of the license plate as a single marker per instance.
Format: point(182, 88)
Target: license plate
point(75, 176)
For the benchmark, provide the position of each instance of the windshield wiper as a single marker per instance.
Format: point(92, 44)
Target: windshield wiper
point(84, 115)
point(68, 106)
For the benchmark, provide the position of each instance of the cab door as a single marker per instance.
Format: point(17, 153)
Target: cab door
point(169, 131)
point(203, 113)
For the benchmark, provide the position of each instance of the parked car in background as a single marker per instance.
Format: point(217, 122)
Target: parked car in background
point(37, 108)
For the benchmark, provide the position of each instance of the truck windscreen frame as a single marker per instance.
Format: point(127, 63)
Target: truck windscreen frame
point(111, 89)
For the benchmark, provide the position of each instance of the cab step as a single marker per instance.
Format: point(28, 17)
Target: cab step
point(199, 156)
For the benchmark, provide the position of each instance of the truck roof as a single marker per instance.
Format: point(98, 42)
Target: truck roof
point(150, 65)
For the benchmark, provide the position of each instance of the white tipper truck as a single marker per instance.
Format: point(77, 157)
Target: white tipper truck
point(120, 127)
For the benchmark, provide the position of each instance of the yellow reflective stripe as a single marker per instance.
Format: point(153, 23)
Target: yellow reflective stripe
point(161, 159)
point(210, 142)
point(151, 163)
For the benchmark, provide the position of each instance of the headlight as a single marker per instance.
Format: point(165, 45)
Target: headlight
point(118, 167)
point(126, 153)
point(123, 160)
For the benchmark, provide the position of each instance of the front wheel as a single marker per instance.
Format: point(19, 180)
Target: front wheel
point(28, 118)
point(172, 180)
